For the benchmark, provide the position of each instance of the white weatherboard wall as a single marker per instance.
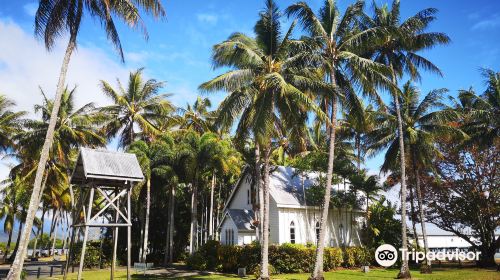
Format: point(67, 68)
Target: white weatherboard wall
point(239, 199)
point(229, 224)
point(305, 226)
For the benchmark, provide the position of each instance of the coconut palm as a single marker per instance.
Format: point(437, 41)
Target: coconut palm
point(398, 48)
point(423, 122)
point(10, 209)
point(10, 122)
point(481, 113)
point(197, 117)
point(144, 155)
point(137, 111)
point(264, 93)
point(54, 19)
point(339, 43)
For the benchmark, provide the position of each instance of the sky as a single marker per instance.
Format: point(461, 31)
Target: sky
point(179, 47)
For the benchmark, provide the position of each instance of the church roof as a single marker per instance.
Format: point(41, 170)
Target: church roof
point(287, 185)
point(242, 218)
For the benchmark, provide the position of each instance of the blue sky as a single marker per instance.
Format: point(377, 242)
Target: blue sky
point(178, 49)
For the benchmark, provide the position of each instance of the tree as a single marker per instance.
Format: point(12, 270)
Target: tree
point(338, 43)
point(143, 153)
point(54, 20)
point(480, 113)
point(398, 47)
point(196, 117)
point(465, 195)
point(10, 122)
point(140, 105)
point(262, 94)
point(424, 121)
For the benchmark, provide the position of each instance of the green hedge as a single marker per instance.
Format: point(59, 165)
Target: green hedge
point(95, 257)
point(287, 258)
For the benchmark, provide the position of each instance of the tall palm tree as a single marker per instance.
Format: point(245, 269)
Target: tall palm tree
point(398, 48)
point(53, 20)
point(338, 41)
point(10, 122)
point(423, 122)
point(264, 93)
point(140, 106)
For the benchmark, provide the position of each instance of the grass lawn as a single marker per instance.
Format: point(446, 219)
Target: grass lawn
point(439, 274)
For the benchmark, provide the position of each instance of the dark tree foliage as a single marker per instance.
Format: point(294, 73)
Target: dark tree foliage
point(465, 196)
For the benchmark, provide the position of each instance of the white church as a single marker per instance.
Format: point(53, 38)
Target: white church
point(291, 219)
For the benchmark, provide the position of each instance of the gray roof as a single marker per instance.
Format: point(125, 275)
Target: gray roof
point(242, 218)
point(106, 168)
point(287, 185)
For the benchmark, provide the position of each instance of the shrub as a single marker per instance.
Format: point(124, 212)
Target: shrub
point(94, 256)
point(286, 258)
point(333, 258)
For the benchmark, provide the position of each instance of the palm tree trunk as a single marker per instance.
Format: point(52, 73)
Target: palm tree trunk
point(17, 265)
point(211, 221)
point(264, 275)
point(7, 247)
point(426, 267)
point(413, 217)
point(52, 226)
point(318, 265)
point(146, 224)
point(39, 232)
point(170, 242)
point(258, 186)
point(18, 241)
point(404, 272)
point(194, 217)
point(54, 241)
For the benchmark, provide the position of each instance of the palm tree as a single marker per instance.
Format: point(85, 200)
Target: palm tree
point(144, 155)
point(74, 127)
point(262, 94)
point(421, 128)
point(356, 124)
point(398, 47)
point(196, 117)
point(139, 106)
point(53, 20)
point(338, 42)
point(10, 122)
point(481, 113)
point(9, 208)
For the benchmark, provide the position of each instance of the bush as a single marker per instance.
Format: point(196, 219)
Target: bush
point(94, 256)
point(286, 258)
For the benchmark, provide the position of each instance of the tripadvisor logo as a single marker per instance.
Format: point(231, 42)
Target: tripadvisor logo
point(386, 255)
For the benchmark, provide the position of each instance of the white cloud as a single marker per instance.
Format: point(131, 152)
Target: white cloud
point(25, 65)
point(207, 18)
point(491, 22)
point(30, 8)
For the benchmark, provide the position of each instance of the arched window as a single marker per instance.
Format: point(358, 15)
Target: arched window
point(292, 232)
point(317, 232)
point(229, 237)
point(248, 197)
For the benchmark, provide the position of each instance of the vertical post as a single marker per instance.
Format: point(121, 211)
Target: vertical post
point(38, 272)
point(115, 237)
point(86, 233)
point(51, 270)
point(129, 231)
point(74, 230)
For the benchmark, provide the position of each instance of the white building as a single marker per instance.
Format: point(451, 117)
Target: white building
point(291, 219)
